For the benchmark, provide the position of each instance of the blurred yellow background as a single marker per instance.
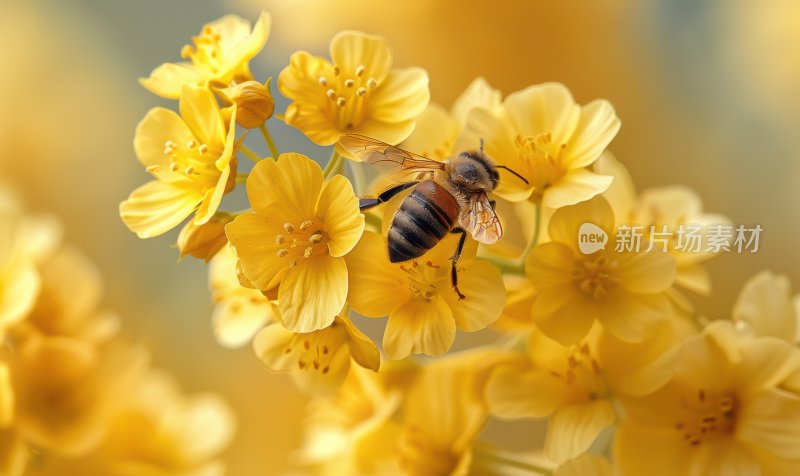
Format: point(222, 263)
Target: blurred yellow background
point(707, 93)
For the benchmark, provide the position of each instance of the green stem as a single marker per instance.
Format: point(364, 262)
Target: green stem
point(241, 178)
point(517, 266)
point(357, 174)
point(249, 153)
point(334, 165)
point(268, 140)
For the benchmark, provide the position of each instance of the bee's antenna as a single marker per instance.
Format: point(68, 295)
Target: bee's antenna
point(518, 175)
point(481, 145)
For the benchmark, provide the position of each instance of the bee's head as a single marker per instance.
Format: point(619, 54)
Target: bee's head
point(474, 171)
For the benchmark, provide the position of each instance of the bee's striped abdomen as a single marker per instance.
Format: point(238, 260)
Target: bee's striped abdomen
point(426, 215)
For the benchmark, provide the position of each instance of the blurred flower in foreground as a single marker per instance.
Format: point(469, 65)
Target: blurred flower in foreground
point(625, 292)
point(296, 236)
point(732, 407)
point(544, 136)
point(220, 54)
point(356, 92)
point(765, 308)
point(192, 157)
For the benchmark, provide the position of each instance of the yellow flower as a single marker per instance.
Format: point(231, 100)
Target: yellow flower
point(574, 386)
point(423, 308)
point(356, 92)
point(765, 307)
point(67, 391)
point(239, 312)
point(669, 210)
point(204, 241)
point(192, 158)
point(544, 136)
point(731, 407)
point(296, 237)
point(317, 361)
point(19, 278)
point(437, 129)
point(220, 54)
point(625, 292)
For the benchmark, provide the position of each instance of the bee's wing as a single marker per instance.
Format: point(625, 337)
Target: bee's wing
point(480, 220)
point(392, 161)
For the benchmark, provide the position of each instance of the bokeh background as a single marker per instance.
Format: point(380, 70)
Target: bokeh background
point(708, 93)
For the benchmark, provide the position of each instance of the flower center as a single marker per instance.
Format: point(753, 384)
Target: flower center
point(315, 350)
point(207, 52)
point(418, 455)
point(193, 160)
point(348, 92)
point(594, 275)
point(544, 161)
point(708, 416)
point(423, 279)
point(301, 242)
point(583, 374)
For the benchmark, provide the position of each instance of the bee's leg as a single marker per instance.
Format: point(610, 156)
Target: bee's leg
point(367, 203)
point(493, 203)
point(456, 256)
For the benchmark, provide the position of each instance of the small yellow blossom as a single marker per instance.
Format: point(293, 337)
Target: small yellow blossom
point(356, 92)
point(674, 212)
point(192, 158)
point(239, 312)
point(575, 385)
point(437, 129)
point(296, 237)
point(731, 407)
point(19, 278)
point(417, 295)
point(543, 135)
point(220, 54)
point(625, 292)
point(317, 361)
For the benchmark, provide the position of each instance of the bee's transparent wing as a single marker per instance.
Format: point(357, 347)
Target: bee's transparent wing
point(480, 220)
point(396, 163)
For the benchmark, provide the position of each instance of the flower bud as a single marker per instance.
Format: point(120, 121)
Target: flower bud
point(254, 101)
point(204, 241)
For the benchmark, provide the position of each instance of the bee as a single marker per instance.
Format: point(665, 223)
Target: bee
point(447, 197)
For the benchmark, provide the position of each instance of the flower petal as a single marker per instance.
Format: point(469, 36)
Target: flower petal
point(531, 394)
point(362, 349)
point(771, 420)
point(403, 95)
point(434, 134)
point(338, 209)
point(157, 207)
point(420, 327)
point(550, 264)
point(242, 45)
point(596, 129)
point(253, 237)
point(541, 109)
point(168, 79)
point(566, 221)
point(588, 464)
point(376, 288)
point(651, 272)
point(633, 317)
point(562, 314)
point(200, 111)
point(478, 94)
point(575, 186)
point(315, 123)
point(285, 190)
point(351, 49)
point(237, 319)
point(621, 193)
point(482, 285)
point(765, 304)
point(152, 133)
point(313, 294)
point(300, 80)
point(572, 430)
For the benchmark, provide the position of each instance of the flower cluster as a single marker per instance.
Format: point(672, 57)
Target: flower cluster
point(76, 396)
point(605, 345)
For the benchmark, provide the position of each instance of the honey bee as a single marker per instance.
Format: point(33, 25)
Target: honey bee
point(447, 197)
